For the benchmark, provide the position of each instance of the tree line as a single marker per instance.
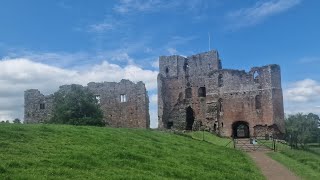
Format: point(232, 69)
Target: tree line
point(302, 129)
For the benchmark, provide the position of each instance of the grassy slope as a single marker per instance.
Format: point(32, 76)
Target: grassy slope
point(303, 163)
point(65, 152)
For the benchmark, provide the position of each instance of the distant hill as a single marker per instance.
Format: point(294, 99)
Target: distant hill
point(81, 152)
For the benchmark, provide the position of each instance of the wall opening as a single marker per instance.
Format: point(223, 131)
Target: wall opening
point(167, 70)
point(98, 99)
point(256, 76)
point(169, 125)
point(189, 118)
point(220, 80)
point(240, 129)
point(258, 102)
point(186, 66)
point(202, 92)
point(188, 92)
point(123, 98)
point(42, 106)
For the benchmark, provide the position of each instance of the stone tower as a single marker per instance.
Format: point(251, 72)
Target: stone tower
point(195, 92)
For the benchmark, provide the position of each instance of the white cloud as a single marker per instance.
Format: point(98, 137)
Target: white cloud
point(302, 96)
point(129, 6)
point(172, 51)
point(17, 75)
point(259, 12)
point(100, 27)
point(154, 99)
point(303, 91)
point(155, 64)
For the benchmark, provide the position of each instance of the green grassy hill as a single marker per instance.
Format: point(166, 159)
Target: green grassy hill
point(80, 152)
point(304, 163)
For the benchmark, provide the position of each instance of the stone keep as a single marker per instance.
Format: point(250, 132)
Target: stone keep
point(124, 104)
point(196, 93)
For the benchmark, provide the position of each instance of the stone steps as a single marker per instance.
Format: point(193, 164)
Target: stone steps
point(245, 145)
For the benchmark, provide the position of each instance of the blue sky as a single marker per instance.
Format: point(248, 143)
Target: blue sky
point(46, 43)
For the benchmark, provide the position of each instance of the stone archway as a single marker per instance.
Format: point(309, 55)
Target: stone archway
point(240, 129)
point(189, 118)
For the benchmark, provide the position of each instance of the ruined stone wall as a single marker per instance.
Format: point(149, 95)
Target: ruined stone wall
point(37, 107)
point(133, 113)
point(124, 104)
point(231, 96)
point(178, 77)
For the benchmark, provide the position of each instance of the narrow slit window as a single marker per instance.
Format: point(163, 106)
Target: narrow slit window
point(220, 80)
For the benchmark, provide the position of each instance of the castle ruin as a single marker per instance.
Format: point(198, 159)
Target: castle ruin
point(124, 104)
point(196, 93)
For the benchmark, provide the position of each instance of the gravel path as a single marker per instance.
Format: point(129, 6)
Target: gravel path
point(270, 168)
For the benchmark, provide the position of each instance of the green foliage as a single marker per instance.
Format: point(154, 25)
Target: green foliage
point(76, 106)
point(302, 129)
point(17, 121)
point(82, 152)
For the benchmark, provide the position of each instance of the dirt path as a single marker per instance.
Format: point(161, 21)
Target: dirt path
point(270, 168)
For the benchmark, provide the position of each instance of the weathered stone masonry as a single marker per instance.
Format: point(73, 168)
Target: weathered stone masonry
point(124, 104)
point(195, 92)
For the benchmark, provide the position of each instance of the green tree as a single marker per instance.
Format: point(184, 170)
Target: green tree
point(302, 129)
point(16, 121)
point(76, 106)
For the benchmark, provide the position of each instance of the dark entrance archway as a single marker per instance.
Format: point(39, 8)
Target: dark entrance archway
point(240, 129)
point(189, 118)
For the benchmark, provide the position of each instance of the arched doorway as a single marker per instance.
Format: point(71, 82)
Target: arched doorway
point(240, 129)
point(189, 118)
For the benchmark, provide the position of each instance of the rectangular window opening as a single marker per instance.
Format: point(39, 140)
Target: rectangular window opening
point(123, 98)
point(42, 106)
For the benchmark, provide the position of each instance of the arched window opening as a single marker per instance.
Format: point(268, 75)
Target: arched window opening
point(258, 102)
point(202, 92)
point(188, 93)
point(167, 70)
point(220, 80)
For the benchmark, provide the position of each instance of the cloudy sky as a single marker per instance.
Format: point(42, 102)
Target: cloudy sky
point(44, 44)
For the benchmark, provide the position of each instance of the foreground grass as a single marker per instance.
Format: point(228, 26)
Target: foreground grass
point(69, 152)
point(303, 163)
point(208, 137)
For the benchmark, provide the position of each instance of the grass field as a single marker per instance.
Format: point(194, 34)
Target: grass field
point(70, 152)
point(208, 137)
point(305, 164)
